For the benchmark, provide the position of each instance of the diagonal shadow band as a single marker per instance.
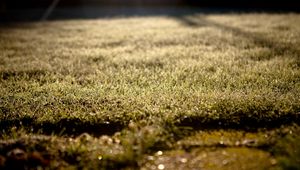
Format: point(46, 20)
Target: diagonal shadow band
point(258, 39)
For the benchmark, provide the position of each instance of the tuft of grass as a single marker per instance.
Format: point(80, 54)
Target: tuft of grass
point(287, 150)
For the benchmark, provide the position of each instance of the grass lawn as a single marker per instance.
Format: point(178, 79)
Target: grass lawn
point(214, 91)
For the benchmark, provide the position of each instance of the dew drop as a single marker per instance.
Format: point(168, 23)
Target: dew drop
point(100, 157)
point(161, 166)
point(159, 153)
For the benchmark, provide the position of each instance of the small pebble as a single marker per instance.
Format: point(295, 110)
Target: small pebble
point(224, 162)
point(150, 158)
point(17, 154)
point(183, 160)
point(106, 139)
point(84, 137)
point(273, 162)
point(132, 125)
point(248, 142)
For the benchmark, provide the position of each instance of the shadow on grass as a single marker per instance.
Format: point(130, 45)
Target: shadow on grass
point(258, 39)
point(65, 126)
point(74, 126)
point(242, 122)
point(4, 75)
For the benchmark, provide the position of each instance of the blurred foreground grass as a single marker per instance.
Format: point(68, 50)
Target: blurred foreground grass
point(183, 92)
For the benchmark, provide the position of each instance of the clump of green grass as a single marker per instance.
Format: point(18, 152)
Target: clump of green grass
point(287, 149)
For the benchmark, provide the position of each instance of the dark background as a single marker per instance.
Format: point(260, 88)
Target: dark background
point(276, 4)
point(33, 10)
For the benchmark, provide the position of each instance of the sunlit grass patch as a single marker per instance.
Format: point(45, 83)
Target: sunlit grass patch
point(113, 93)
